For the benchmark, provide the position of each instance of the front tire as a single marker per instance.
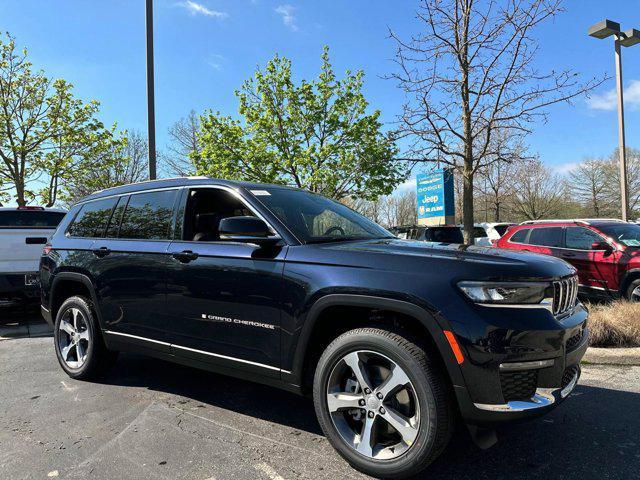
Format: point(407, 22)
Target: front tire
point(633, 291)
point(382, 403)
point(78, 342)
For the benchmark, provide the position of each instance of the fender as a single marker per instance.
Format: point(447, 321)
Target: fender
point(627, 278)
point(429, 321)
point(78, 278)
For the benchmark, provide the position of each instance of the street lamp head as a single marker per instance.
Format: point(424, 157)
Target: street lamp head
point(604, 29)
point(630, 38)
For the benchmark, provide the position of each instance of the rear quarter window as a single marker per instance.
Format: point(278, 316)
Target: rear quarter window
point(520, 236)
point(91, 221)
point(30, 219)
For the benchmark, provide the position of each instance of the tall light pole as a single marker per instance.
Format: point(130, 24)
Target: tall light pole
point(629, 38)
point(151, 109)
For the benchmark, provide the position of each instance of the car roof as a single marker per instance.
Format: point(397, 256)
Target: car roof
point(177, 182)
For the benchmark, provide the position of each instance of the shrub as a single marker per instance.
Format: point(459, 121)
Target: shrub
point(616, 324)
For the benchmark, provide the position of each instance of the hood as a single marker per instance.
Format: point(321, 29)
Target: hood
point(492, 261)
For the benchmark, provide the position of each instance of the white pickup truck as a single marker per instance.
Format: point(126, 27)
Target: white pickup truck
point(24, 231)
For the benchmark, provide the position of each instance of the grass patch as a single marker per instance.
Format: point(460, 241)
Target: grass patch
point(615, 324)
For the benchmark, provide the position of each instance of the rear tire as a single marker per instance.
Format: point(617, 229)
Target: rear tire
point(78, 341)
point(407, 426)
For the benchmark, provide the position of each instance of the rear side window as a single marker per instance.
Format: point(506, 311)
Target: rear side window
point(546, 237)
point(581, 238)
point(520, 236)
point(92, 218)
point(30, 219)
point(148, 216)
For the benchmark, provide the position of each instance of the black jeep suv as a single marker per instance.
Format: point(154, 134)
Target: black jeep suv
point(394, 339)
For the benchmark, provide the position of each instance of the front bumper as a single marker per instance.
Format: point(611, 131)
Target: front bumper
point(548, 359)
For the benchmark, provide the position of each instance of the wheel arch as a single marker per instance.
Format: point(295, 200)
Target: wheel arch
point(629, 276)
point(423, 322)
point(66, 284)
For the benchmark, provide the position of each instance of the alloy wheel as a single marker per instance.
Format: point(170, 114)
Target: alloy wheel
point(373, 405)
point(74, 338)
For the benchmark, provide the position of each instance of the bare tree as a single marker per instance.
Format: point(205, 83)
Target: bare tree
point(470, 75)
point(497, 184)
point(400, 209)
point(184, 145)
point(589, 183)
point(538, 192)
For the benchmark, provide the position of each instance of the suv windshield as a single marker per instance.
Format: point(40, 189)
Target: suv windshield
point(315, 219)
point(624, 233)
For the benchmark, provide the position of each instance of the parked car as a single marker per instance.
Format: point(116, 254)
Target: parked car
point(394, 340)
point(606, 252)
point(23, 233)
point(439, 234)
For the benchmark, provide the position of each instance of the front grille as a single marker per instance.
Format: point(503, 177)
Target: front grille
point(574, 341)
point(519, 385)
point(565, 295)
point(568, 375)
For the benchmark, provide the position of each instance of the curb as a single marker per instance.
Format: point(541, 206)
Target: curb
point(612, 356)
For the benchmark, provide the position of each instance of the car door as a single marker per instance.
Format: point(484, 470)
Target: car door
point(545, 240)
point(596, 267)
point(223, 297)
point(131, 265)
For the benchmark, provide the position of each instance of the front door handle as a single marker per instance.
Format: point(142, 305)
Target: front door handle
point(185, 256)
point(101, 252)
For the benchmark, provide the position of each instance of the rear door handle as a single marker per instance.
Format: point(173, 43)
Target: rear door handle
point(185, 256)
point(101, 252)
point(569, 255)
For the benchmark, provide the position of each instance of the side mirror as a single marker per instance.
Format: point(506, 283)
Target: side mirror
point(601, 246)
point(246, 229)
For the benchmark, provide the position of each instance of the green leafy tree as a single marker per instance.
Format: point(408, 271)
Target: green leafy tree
point(315, 135)
point(44, 129)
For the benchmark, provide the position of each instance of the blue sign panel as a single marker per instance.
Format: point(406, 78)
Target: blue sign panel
point(435, 194)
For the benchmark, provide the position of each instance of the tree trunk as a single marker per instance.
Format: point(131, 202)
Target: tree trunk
point(19, 184)
point(467, 205)
point(497, 212)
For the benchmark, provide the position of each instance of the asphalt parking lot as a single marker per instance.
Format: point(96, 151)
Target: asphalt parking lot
point(149, 419)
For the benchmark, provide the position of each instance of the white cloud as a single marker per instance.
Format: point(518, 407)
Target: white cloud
point(195, 8)
point(286, 11)
point(608, 100)
point(216, 61)
point(408, 184)
point(565, 168)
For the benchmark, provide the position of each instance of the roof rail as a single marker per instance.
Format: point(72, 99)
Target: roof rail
point(584, 221)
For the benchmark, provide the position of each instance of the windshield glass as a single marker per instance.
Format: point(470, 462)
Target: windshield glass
point(315, 219)
point(624, 233)
point(444, 235)
point(29, 219)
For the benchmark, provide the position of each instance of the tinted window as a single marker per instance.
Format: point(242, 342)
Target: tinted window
point(624, 233)
point(580, 238)
point(314, 219)
point(546, 237)
point(148, 215)
point(444, 235)
point(501, 229)
point(520, 236)
point(479, 232)
point(114, 223)
point(30, 219)
point(92, 219)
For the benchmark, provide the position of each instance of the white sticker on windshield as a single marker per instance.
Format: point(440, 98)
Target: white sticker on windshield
point(260, 192)
point(630, 242)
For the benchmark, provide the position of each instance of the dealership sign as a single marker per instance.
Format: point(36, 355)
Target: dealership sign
point(435, 197)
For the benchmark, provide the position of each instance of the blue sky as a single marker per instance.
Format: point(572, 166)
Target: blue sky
point(205, 49)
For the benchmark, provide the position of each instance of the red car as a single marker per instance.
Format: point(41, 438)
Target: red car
point(605, 252)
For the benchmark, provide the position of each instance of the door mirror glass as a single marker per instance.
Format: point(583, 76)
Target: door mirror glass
point(245, 229)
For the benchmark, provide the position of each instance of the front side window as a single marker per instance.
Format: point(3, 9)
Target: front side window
point(148, 216)
point(92, 218)
point(546, 236)
point(626, 234)
point(580, 238)
point(316, 219)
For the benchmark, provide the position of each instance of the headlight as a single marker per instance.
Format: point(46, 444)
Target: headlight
point(509, 293)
